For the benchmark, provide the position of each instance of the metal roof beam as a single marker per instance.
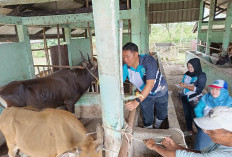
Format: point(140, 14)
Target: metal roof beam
point(67, 19)
point(10, 20)
point(57, 19)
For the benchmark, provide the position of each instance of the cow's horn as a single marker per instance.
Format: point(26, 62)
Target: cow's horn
point(89, 60)
point(82, 56)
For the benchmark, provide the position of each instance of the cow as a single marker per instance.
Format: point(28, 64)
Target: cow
point(225, 59)
point(47, 133)
point(63, 87)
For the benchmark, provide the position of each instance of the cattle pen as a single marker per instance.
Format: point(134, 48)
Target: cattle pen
point(99, 29)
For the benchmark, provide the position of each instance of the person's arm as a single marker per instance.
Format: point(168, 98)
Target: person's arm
point(200, 83)
point(189, 87)
point(199, 86)
point(170, 147)
point(199, 109)
point(131, 105)
point(150, 143)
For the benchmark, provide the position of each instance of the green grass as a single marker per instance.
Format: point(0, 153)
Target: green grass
point(38, 54)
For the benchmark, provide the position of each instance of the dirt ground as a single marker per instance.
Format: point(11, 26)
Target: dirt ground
point(174, 73)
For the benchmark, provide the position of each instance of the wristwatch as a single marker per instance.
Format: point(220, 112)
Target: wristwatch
point(138, 100)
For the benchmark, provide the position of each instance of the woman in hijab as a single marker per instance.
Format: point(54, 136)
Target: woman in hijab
point(193, 82)
point(218, 96)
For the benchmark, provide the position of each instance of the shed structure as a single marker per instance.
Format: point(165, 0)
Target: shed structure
point(113, 23)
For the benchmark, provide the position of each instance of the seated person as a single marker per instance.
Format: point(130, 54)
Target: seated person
point(193, 82)
point(218, 96)
point(217, 124)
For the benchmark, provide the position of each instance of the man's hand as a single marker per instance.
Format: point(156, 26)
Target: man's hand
point(131, 105)
point(182, 85)
point(150, 143)
point(170, 144)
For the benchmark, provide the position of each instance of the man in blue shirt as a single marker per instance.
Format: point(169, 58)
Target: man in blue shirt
point(217, 124)
point(142, 71)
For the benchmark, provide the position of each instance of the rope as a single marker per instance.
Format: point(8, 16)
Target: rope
point(93, 75)
point(127, 131)
point(108, 150)
point(90, 133)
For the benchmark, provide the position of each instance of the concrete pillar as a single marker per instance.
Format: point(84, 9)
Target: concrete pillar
point(24, 37)
point(210, 26)
point(136, 23)
point(106, 19)
point(199, 24)
point(67, 33)
point(226, 38)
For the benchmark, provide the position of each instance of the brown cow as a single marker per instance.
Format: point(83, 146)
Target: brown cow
point(46, 133)
point(61, 88)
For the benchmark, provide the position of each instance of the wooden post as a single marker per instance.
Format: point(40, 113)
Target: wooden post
point(91, 43)
point(199, 24)
point(226, 39)
point(124, 147)
point(210, 26)
point(58, 48)
point(46, 48)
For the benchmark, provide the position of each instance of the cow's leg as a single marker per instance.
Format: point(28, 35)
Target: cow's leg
point(70, 104)
point(71, 107)
point(12, 150)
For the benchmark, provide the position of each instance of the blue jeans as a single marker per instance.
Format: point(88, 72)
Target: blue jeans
point(147, 107)
point(188, 113)
point(202, 140)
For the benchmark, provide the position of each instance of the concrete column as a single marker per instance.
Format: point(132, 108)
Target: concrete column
point(199, 24)
point(210, 26)
point(135, 23)
point(226, 38)
point(24, 37)
point(67, 33)
point(106, 19)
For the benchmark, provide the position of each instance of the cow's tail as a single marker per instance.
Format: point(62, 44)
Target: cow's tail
point(3, 102)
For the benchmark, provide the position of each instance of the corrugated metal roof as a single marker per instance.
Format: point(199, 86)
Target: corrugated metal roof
point(7, 30)
point(184, 11)
point(5, 11)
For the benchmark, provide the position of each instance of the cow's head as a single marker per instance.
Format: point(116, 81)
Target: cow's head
point(91, 65)
point(92, 148)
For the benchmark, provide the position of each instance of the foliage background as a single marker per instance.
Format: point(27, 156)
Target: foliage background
point(172, 32)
